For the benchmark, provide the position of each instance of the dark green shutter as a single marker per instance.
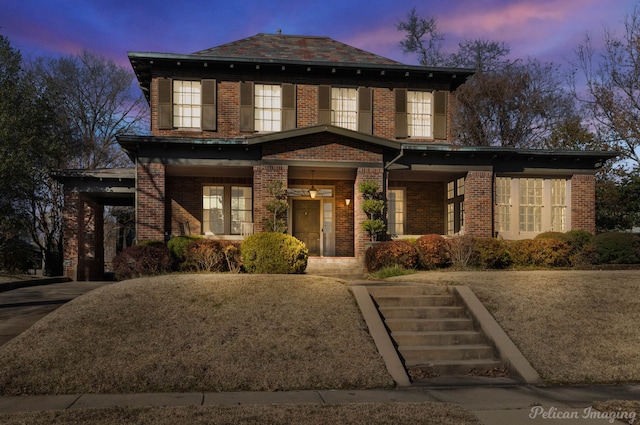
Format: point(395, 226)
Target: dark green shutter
point(246, 107)
point(440, 99)
point(288, 106)
point(365, 110)
point(209, 105)
point(324, 105)
point(165, 108)
point(402, 128)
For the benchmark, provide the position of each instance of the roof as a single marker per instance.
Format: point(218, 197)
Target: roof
point(295, 47)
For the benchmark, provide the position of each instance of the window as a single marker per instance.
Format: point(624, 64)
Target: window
point(455, 206)
point(542, 205)
point(268, 107)
point(503, 204)
point(396, 204)
point(186, 104)
point(419, 113)
point(344, 107)
point(225, 208)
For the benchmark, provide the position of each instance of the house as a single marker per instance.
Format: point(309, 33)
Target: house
point(321, 117)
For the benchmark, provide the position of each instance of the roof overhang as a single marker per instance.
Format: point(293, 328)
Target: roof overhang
point(112, 186)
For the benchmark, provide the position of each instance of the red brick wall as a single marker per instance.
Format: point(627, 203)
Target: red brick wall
point(425, 206)
point(478, 204)
point(70, 232)
point(583, 198)
point(361, 236)
point(322, 147)
point(262, 176)
point(344, 218)
point(151, 202)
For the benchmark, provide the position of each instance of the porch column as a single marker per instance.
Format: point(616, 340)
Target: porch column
point(71, 232)
point(583, 202)
point(150, 206)
point(262, 176)
point(478, 204)
point(361, 236)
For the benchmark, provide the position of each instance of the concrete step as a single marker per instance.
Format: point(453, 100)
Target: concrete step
point(455, 367)
point(406, 290)
point(429, 353)
point(442, 312)
point(437, 338)
point(429, 325)
point(416, 300)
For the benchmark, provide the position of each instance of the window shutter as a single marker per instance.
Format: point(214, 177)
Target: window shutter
point(440, 99)
point(365, 110)
point(209, 105)
point(288, 106)
point(165, 108)
point(402, 128)
point(246, 106)
point(324, 105)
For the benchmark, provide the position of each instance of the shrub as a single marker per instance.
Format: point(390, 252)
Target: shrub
point(491, 253)
point(18, 256)
point(391, 271)
point(178, 246)
point(432, 251)
point(398, 253)
point(151, 242)
point(617, 248)
point(582, 250)
point(274, 252)
point(209, 255)
point(542, 252)
point(142, 260)
point(461, 251)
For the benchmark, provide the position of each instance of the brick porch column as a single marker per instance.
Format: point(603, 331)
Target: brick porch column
point(71, 232)
point(478, 204)
point(583, 202)
point(150, 208)
point(361, 236)
point(262, 176)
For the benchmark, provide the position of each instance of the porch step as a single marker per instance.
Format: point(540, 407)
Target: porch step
point(335, 266)
point(432, 331)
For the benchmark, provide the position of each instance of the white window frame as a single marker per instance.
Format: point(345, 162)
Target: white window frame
point(187, 103)
point(397, 217)
point(267, 107)
point(344, 107)
point(228, 208)
point(420, 114)
point(550, 209)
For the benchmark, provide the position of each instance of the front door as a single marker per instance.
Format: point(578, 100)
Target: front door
point(306, 224)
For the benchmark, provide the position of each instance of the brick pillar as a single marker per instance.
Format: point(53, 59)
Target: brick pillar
point(71, 232)
point(361, 236)
point(262, 176)
point(478, 204)
point(583, 202)
point(150, 209)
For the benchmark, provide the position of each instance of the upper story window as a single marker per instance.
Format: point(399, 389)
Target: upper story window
point(267, 107)
point(344, 109)
point(421, 114)
point(186, 104)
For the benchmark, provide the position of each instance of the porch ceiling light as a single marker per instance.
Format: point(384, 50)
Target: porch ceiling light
point(313, 191)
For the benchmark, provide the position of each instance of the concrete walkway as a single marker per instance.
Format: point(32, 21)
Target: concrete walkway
point(492, 405)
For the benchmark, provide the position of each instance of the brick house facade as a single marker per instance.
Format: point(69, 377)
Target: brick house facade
point(321, 117)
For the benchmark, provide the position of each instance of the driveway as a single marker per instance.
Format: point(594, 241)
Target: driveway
point(21, 308)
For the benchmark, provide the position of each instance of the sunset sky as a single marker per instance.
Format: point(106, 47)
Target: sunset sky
point(549, 30)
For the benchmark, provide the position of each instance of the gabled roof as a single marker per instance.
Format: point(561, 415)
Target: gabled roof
point(295, 47)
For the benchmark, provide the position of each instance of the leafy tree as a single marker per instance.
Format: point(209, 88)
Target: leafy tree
point(612, 96)
point(617, 202)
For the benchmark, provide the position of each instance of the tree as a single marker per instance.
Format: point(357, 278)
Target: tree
point(95, 96)
point(612, 96)
point(422, 37)
point(278, 207)
point(481, 55)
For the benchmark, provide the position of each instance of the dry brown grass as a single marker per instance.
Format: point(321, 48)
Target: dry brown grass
point(573, 326)
point(185, 333)
point(310, 414)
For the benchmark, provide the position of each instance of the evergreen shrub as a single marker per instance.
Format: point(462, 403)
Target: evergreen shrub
point(275, 253)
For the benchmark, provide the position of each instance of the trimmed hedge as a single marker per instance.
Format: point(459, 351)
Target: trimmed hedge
point(275, 253)
point(178, 247)
point(397, 253)
point(543, 252)
point(142, 260)
point(432, 251)
point(491, 253)
point(617, 248)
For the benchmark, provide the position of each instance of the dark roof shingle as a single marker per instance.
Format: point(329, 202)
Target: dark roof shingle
point(294, 47)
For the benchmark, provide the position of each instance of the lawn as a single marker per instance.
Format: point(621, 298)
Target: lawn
point(204, 333)
point(574, 327)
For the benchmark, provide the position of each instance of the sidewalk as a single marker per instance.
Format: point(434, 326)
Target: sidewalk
point(492, 405)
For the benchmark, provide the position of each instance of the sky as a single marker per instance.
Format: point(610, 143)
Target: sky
point(549, 30)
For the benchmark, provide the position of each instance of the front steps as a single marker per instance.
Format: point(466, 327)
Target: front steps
point(433, 333)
